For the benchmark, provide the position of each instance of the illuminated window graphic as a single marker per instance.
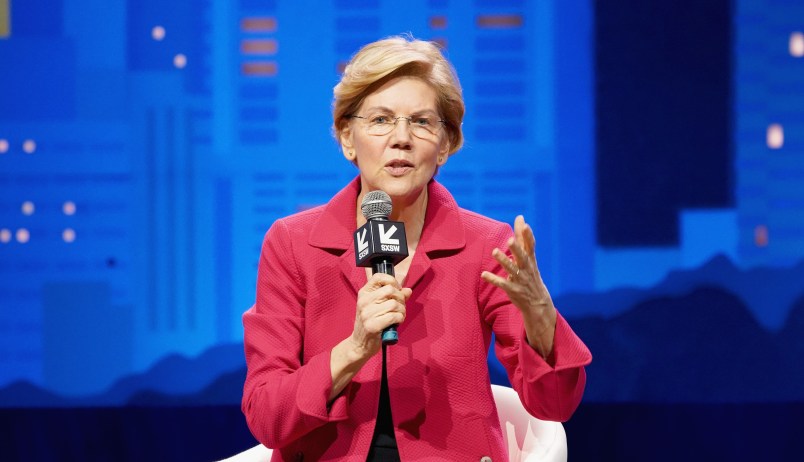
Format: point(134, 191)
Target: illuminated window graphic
point(761, 236)
point(258, 25)
point(158, 33)
point(259, 47)
point(260, 69)
point(5, 235)
point(68, 235)
point(775, 136)
point(28, 208)
point(5, 19)
point(29, 146)
point(180, 61)
point(68, 208)
point(3, 146)
point(23, 236)
point(797, 44)
point(438, 22)
point(499, 21)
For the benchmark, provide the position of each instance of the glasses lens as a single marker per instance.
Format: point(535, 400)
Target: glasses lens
point(424, 125)
point(420, 126)
point(420, 131)
point(380, 128)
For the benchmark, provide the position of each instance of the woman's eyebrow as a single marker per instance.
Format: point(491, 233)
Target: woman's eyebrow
point(390, 111)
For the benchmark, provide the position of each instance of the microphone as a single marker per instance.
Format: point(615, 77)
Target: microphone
point(380, 243)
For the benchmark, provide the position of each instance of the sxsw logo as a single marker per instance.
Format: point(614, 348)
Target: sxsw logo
point(380, 238)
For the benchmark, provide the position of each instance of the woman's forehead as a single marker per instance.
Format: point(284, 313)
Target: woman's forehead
point(405, 94)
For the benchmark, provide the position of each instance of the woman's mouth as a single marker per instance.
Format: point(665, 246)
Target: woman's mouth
point(398, 167)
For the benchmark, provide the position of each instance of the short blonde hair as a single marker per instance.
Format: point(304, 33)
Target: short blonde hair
point(397, 56)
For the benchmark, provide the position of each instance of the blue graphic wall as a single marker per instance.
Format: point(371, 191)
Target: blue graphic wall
point(145, 147)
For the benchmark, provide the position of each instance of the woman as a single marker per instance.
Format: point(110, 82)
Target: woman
point(317, 381)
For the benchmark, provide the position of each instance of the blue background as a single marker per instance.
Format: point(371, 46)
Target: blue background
point(140, 170)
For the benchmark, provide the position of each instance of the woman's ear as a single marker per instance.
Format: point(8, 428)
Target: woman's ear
point(443, 153)
point(347, 146)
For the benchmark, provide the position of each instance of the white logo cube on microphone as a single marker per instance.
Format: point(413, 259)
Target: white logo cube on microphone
point(378, 239)
point(360, 243)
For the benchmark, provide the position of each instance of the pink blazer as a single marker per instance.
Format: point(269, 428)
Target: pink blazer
point(438, 378)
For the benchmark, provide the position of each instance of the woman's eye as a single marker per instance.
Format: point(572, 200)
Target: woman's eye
point(423, 121)
point(379, 120)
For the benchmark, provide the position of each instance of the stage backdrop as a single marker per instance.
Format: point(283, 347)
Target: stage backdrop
point(657, 149)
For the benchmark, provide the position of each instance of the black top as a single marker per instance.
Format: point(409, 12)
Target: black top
point(383, 444)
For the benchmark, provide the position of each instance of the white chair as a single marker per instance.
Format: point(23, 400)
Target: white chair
point(528, 439)
point(258, 453)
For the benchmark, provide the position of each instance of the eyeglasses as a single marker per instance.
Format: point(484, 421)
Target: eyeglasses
point(421, 126)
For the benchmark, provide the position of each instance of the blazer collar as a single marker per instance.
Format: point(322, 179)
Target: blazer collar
point(334, 228)
point(443, 227)
point(443, 230)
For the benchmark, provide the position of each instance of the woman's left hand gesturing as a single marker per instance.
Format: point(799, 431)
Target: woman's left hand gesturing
point(525, 288)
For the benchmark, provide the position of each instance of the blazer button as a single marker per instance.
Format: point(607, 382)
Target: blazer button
point(485, 459)
point(299, 457)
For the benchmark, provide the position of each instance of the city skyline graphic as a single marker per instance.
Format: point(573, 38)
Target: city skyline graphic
point(146, 147)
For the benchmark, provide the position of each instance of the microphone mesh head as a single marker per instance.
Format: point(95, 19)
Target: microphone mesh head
point(376, 204)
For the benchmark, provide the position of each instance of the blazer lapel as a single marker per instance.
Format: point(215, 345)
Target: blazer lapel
point(333, 232)
point(356, 275)
point(443, 232)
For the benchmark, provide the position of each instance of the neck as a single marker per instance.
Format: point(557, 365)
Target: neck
point(406, 210)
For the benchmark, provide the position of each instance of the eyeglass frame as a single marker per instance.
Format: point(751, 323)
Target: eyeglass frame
point(396, 121)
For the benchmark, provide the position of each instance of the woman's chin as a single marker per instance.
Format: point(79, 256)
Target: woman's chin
point(399, 188)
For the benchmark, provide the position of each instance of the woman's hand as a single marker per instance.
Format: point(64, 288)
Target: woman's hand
point(380, 304)
point(525, 288)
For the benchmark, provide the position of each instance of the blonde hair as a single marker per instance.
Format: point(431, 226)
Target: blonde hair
point(397, 56)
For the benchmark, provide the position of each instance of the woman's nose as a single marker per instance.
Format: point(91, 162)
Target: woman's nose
point(401, 134)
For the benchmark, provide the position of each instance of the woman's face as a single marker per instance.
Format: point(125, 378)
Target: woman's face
point(403, 161)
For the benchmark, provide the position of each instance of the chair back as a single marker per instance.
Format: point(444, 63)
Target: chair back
point(528, 439)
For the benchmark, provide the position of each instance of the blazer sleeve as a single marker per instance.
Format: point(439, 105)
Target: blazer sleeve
point(283, 398)
point(550, 389)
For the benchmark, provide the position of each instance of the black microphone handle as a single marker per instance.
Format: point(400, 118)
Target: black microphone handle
point(386, 265)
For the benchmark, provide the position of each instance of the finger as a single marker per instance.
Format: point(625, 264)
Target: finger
point(379, 321)
point(496, 280)
point(531, 250)
point(381, 307)
point(519, 254)
point(392, 312)
point(519, 228)
point(511, 288)
point(508, 265)
point(529, 240)
point(389, 293)
point(529, 247)
point(371, 301)
point(378, 280)
point(399, 296)
point(524, 235)
point(389, 319)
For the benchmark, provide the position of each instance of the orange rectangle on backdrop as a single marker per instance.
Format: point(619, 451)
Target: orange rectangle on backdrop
point(500, 21)
point(259, 46)
point(258, 24)
point(260, 68)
